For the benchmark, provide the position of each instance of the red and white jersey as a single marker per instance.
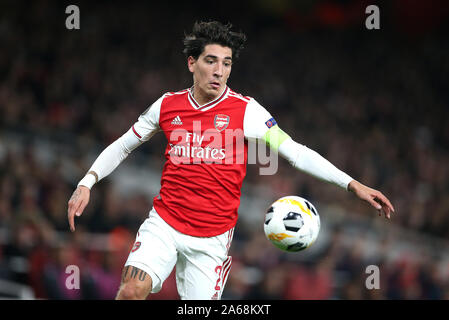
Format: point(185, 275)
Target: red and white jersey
point(206, 154)
point(206, 157)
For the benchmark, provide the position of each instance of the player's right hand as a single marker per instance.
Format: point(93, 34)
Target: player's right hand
point(77, 203)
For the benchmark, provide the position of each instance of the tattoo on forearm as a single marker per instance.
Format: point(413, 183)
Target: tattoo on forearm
point(135, 273)
point(125, 272)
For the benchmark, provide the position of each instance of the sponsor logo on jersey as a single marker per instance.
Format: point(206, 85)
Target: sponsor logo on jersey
point(271, 123)
point(207, 146)
point(176, 121)
point(221, 122)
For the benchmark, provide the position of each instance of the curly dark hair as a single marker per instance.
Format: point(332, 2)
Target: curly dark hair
point(212, 32)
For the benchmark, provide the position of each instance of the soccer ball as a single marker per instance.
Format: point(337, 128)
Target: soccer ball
point(292, 223)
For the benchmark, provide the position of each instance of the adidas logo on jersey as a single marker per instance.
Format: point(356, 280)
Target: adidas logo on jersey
point(177, 120)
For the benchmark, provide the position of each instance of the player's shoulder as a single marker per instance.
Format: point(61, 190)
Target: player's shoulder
point(165, 98)
point(175, 93)
point(235, 95)
point(172, 97)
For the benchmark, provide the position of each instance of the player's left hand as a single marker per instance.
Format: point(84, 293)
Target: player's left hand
point(77, 204)
point(373, 197)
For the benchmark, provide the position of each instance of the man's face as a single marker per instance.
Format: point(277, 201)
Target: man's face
point(211, 70)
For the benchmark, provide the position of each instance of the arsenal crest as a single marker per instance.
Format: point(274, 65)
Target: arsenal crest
point(221, 122)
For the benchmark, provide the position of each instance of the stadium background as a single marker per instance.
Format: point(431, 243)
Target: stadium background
point(375, 103)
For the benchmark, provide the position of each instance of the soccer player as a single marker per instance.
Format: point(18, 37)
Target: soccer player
point(208, 127)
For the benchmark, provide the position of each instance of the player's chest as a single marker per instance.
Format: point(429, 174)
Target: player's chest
point(219, 119)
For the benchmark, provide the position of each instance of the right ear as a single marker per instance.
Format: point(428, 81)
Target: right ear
point(191, 63)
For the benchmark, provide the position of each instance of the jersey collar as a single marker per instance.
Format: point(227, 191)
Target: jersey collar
point(208, 105)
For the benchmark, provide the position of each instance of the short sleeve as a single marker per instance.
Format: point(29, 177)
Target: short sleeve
point(148, 122)
point(257, 120)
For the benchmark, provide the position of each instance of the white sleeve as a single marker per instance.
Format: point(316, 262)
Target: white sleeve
point(148, 122)
point(259, 124)
point(255, 120)
point(311, 162)
point(146, 126)
point(110, 158)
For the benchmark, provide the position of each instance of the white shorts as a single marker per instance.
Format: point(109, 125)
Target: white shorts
point(202, 264)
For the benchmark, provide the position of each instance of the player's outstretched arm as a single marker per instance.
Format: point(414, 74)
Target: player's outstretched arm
point(313, 163)
point(373, 197)
point(111, 157)
point(77, 203)
point(107, 161)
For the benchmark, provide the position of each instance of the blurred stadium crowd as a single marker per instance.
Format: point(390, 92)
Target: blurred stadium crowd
point(375, 105)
